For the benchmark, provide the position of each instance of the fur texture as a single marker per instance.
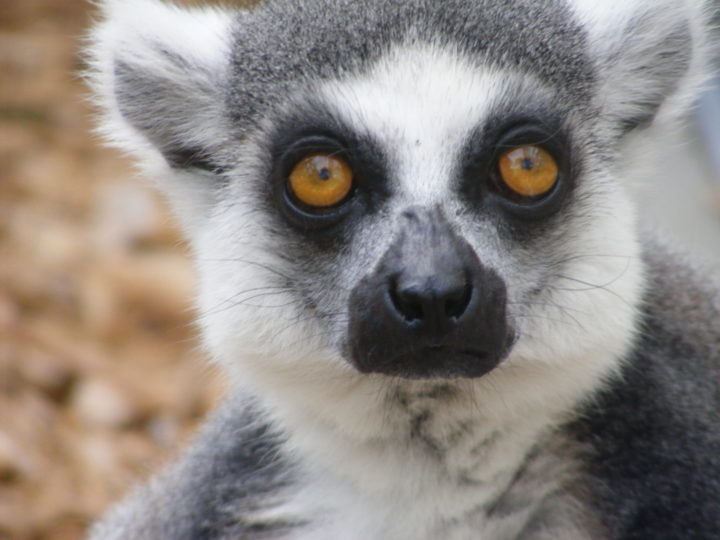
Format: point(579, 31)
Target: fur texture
point(576, 433)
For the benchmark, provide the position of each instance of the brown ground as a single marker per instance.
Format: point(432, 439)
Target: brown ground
point(100, 376)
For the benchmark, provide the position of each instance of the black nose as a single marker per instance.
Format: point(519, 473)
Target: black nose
point(429, 308)
point(436, 302)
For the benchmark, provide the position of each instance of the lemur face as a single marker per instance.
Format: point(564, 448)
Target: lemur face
point(430, 217)
point(419, 190)
point(449, 221)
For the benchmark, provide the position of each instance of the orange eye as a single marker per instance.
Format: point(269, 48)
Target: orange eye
point(528, 170)
point(321, 180)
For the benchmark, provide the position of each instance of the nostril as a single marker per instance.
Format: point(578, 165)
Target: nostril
point(407, 303)
point(435, 303)
point(456, 302)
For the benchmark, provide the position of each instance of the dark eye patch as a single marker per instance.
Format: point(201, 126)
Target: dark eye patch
point(312, 130)
point(481, 184)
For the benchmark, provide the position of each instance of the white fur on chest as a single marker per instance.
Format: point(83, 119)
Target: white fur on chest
point(425, 501)
point(442, 468)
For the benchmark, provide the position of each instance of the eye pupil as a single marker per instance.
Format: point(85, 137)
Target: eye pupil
point(324, 174)
point(527, 164)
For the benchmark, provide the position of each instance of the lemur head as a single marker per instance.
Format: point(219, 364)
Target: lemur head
point(399, 191)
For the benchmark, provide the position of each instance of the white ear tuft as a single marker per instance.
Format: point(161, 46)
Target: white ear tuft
point(158, 71)
point(649, 55)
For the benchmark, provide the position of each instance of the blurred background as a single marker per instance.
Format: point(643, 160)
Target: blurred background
point(101, 378)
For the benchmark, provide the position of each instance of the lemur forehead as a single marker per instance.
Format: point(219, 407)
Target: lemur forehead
point(283, 44)
point(421, 104)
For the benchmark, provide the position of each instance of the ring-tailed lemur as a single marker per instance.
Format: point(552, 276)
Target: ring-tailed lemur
point(419, 267)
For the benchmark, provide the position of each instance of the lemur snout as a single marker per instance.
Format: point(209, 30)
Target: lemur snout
point(430, 308)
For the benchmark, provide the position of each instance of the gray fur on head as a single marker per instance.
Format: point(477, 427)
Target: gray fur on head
point(631, 56)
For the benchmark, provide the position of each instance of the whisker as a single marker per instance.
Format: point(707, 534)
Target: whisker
point(250, 262)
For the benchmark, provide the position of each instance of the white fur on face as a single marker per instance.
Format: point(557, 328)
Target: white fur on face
point(421, 103)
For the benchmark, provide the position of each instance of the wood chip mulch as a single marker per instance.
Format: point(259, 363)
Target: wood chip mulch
point(101, 376)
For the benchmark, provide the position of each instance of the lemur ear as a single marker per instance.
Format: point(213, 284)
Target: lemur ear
point(648, 54)
point(158, 71)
